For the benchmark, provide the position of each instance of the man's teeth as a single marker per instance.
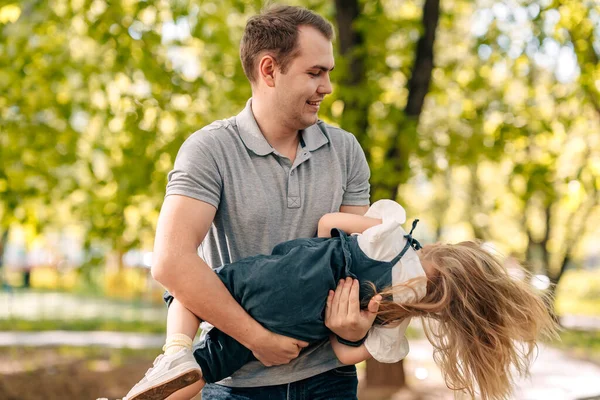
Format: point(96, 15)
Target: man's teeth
point(314, 103)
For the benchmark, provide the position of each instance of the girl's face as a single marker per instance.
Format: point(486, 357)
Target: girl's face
point(426, 262)
point(428, 268)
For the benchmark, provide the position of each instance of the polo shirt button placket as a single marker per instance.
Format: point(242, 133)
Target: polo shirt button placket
point(293, 194)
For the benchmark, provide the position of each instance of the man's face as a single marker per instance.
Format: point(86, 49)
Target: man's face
point(299, 92)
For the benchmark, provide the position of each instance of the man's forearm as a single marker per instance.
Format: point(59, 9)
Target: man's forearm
point(197, 287)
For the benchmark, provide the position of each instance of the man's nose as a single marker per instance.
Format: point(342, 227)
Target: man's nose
point(325, 86)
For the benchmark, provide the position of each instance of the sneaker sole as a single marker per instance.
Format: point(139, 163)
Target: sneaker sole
point(166, 389)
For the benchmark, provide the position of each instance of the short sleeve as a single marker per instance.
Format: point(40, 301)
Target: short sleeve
point(196, 171)
point(357, 186)
point(385, 241)
point(392, 216)
point(388, 344)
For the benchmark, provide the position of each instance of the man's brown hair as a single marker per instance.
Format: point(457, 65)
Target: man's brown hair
point(275, 31)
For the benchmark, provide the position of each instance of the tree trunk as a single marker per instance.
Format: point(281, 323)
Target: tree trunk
point(385, 375)
point(418, 87)
point(550, 301)
point(354, 119)
point(3, 244)
point(544, 243)
point(356, 106)
point(480, 228)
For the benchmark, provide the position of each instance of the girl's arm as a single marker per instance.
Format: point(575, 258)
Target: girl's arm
point(349, 355)
point(349, 223)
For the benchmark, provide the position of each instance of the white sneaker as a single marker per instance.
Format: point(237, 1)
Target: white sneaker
point(168, 374)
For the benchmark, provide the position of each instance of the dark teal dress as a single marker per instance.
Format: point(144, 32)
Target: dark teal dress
point(286, 292)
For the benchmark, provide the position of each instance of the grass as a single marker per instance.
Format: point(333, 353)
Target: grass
point(78, 352)
point(81, 325)
point(580, 344)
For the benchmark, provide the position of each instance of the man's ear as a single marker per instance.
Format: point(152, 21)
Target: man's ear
point(267, 67)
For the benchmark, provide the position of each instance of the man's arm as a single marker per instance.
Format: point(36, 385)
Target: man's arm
point(182, 225)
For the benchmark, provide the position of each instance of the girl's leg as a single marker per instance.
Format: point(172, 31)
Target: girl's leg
point(181, 320)
point(175, 373)
point(182, 326)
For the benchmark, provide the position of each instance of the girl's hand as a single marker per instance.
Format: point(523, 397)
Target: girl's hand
point(343, 315)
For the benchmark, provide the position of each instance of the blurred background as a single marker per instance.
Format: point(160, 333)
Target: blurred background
point(482, 117)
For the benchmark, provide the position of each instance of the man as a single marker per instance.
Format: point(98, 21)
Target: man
point(242, 185)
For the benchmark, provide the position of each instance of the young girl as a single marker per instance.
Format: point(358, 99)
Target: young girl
point(485, 323)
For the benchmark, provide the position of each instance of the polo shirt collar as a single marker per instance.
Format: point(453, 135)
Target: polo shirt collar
point(313, 137)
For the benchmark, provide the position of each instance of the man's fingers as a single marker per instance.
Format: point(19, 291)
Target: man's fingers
point(344, 292)
point(335, 305)
point(374, 303)
point(371, 312)
point(353, 301)
point(329, 305)
point(279, 349)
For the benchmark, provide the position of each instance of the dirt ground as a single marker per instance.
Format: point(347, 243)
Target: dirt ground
point(70, 373)
point(88, 374)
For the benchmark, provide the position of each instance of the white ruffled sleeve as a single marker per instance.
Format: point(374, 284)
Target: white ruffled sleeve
point(388, 344)
point(383, 241)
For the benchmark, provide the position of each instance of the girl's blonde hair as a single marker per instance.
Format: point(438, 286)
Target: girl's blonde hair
point(482, 322)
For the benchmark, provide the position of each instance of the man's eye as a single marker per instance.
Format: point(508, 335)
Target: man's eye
point(315, 74)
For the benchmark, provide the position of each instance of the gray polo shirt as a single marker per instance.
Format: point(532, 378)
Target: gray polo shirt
point(263, 199)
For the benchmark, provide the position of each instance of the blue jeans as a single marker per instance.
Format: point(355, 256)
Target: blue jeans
point(338, 384)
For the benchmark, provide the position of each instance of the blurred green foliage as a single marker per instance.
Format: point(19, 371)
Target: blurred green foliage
point(96, 97)
point(579, 293)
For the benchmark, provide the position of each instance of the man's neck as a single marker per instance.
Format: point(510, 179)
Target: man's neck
point(280, 137)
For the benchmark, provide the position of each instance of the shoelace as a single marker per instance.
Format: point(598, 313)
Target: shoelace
point(156, 361)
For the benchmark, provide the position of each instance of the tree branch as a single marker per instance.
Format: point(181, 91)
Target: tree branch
point(546, 238)
point(418, 87)
point(586, 56)
point(347, 12)
point(423, 66)
point(356, 110)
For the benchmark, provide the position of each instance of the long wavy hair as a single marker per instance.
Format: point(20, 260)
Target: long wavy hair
point(482, 322)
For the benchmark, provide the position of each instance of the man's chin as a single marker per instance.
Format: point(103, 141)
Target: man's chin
point(309, 121)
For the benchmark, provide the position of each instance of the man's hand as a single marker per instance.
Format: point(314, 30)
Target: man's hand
point(273, 349)
point(343, 315)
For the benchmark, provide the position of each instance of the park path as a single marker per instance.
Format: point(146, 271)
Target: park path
point(555, 375)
